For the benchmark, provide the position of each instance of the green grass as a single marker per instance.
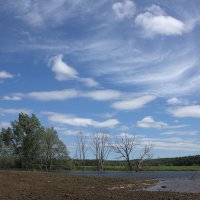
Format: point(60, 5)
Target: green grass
point(147, 168)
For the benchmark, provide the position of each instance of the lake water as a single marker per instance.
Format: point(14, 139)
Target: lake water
point(160, 175)
point(174, 181)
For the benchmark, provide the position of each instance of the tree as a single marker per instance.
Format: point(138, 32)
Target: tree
point(54, 148)
point(100, 145)
point(31, 145)
point(81, 147)
point(144, 155)
point(124, 146)
point(24, 136)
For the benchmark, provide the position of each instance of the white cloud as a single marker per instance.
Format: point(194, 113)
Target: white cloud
point(54, 95)
point(42, 13)
point(66, 131)
point(124, 9)
point(61, 69)
point(90, 82)
point(186, 111)
point(4, 125)
point(187, 133)
point(12, 98)
point(5, 75)
point(80, 122)
point(65, 72)
point(177, 101)
point(127, 135)
point(98, 95)
point(155, 21)
point(174, 101)
point(172, 144)
point(103, 95)
point(13, 111)
point(149, 122)
point(136, 103)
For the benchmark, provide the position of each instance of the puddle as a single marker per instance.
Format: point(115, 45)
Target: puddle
point(177, 185)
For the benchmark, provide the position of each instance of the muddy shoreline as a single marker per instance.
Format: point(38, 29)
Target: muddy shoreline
point(53, 186)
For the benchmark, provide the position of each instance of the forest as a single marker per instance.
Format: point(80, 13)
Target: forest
point(26, 144)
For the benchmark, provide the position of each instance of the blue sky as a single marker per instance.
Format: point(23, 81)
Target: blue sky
point(121, 65)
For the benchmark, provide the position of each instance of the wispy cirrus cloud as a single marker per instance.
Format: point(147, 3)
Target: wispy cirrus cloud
point(39, 13)
point(173, 143)
point(97, 95)
point(65, 72)
point(133, 104)
point(180, 133)
point(13, 111)
point(12, 98)
point(79, 122)
point(103, 95)
point(54, 95)
point(124, 9)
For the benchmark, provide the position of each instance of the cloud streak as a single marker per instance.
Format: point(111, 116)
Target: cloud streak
point(133, 104)
point(80, 122)
point(97, 95)
point(192, 111)
point(5, 75)
point(14, 111)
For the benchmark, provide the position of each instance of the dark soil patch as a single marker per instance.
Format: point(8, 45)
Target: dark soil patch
point(51, 186)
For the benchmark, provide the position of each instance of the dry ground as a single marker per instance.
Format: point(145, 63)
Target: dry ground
point(52, 186)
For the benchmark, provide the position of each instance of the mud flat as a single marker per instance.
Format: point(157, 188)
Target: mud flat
point(53, 186)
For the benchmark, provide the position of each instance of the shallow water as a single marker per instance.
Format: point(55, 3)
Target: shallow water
point(160, 175)
point(174, 181)
point(176, 185)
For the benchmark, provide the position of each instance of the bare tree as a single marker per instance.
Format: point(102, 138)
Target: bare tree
point(146, 153)
point(100, 145)
point(124, 146)
point(81, 147)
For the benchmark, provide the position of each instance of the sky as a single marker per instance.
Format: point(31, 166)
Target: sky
point(124, 66)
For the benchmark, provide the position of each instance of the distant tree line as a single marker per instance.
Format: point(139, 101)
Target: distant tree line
point(177, 161)
point(26, 144)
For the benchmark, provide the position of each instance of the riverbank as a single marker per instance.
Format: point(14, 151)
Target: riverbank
point(53, 186)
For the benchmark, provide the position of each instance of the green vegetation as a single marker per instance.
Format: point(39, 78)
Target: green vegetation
point(172, 168)
point(161, 164)
point(26, 144)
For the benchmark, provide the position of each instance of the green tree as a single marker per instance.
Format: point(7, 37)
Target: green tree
point(56, 151)
point(24, 136)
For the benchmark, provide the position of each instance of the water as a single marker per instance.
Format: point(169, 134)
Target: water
point(160, 175)
point(173, 181)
